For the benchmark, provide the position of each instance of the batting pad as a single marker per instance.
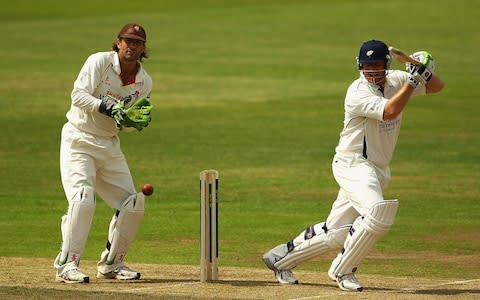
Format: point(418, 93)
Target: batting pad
point(76, 225)
point(122, 231)
point(310, 244)
point(364, 234)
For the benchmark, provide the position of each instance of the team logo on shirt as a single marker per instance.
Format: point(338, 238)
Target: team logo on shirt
point(389, 125)
point(126, 99)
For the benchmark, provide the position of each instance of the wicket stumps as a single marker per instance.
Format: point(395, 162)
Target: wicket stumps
point(208, 225)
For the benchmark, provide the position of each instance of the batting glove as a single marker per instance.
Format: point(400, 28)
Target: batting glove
point(425, 58)
point(422, 73)
point(412, 81)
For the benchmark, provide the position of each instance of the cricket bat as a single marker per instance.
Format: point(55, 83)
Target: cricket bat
point(402, 57)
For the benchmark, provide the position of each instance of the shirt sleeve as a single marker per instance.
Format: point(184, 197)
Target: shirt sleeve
point(86, 83)
point(361, 102)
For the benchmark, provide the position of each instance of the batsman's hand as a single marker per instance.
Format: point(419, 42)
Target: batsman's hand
point(412, 81)
point(425, 58)
point(422, 73)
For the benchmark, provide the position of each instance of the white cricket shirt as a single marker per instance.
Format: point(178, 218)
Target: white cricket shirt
point(100, 76)
point(364, 130)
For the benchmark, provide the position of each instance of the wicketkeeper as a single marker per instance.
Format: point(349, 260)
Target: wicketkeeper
point(360, 215)
point(111, 93)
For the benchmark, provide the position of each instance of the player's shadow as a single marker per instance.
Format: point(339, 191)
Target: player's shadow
point(446, 292)
point(150, 281)
point(240, 283)
point(249, 283)
point(246, 283)
point(168, 280)
point(439, 292)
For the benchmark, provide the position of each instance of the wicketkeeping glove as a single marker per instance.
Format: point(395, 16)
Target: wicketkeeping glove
point(136, 116)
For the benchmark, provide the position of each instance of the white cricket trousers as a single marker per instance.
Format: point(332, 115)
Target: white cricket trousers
point(97, 161)
point(361, 186)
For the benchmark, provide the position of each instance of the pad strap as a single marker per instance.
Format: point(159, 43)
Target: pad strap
point(312, 242)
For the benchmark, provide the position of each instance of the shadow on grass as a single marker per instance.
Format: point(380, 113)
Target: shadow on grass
point(150, 281)
point(444, 292)
point(431, 291)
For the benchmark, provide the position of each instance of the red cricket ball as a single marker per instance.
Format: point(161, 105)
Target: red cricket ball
point(147, 189)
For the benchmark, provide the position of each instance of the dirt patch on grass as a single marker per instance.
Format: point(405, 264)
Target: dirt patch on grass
point(25, 278)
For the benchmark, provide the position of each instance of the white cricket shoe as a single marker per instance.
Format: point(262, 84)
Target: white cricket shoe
point(285, 276)
point(122, 272)
point(72, 275)
point(274, 255)
point(349, 282)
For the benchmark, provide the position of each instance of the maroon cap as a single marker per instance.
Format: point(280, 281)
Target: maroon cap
point(133, 31)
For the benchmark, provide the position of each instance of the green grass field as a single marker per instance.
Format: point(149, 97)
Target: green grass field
point(255, 90)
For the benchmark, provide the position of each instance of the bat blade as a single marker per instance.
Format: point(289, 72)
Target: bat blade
point(402, 57)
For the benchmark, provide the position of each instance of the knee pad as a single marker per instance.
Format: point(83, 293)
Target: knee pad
point(365, 232)
point(76, 225)
point(380, 217)
point(122, 230)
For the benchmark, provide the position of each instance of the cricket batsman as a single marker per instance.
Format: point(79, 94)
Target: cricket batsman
point(360, 215)
point(111, 93)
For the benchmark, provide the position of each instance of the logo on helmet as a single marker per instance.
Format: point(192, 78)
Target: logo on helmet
point(370, 52)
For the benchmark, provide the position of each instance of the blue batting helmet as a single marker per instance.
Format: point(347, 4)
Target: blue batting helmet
point(373, 51)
